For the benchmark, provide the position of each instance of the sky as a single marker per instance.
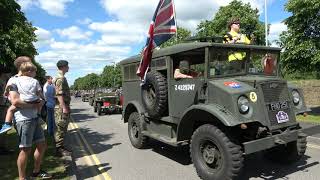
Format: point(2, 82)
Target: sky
point(93, 34)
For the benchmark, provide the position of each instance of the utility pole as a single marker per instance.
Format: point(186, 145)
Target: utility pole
point(114, 74)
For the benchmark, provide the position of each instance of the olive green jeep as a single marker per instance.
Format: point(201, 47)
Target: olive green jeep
point(236, 104)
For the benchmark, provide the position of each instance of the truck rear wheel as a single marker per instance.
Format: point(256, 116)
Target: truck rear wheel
point(135, 131)
point(99, 109)
point(214, 155)
point(288, 153)
point(154, 94)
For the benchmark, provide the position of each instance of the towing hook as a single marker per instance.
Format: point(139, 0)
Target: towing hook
point(279, 141)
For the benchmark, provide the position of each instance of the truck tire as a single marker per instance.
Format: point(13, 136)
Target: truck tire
point(95, 107)
point(214, 155)
point(99, 109)
point(135, 131)
point(155, 94)
point(288, 153)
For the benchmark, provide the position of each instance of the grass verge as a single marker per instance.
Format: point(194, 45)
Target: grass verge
point(51, 164)
point(309, 118)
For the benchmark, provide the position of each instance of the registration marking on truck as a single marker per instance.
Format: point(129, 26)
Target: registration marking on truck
point(184, 87)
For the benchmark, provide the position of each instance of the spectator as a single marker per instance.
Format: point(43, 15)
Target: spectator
point(28, 88)
point(7, 125)
point(62, 109)
point(49, 95)
point(27, 122)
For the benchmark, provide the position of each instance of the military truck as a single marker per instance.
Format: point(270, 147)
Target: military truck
point(234, 107)
point(109, 104)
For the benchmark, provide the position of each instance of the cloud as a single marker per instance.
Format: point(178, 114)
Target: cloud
point(52, 7)
point(276, 29)
point(189, 13)
point(74, 33)
point(44, 37)
point(84, 21)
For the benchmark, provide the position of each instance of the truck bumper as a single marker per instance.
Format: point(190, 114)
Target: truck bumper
point(275, 140)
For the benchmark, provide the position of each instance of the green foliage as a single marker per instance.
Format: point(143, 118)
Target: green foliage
point(87, 82)
point(301, 41)
point(16, 36)
point(110, 77)
point(249, 18)
point(182, 34)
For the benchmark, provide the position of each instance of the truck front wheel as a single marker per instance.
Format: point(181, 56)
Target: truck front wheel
point(214, 155)
point(99, 110)
point(137, 139)
point(288, 153)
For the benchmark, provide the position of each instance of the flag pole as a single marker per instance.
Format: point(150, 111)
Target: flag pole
point(175, 19)
point(266, 21)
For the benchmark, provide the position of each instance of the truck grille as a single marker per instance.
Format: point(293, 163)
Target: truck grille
point(275, 92)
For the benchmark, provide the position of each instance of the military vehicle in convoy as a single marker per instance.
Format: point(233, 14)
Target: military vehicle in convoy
point(109, 104)
point(85, 97)
point(231, 109)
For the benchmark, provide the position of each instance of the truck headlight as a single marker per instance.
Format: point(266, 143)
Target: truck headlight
point(243, 104)
point(296, 97)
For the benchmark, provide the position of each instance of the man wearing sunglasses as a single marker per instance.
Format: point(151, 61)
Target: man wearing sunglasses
point(234, 35)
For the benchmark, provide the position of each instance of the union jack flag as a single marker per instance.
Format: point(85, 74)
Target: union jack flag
point(162, 28)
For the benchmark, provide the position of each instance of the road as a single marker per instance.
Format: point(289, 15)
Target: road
point(102, 150)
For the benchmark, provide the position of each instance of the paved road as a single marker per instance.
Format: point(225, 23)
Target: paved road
point(114, 157)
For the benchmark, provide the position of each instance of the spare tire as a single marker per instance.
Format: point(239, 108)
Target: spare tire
point(155, 94)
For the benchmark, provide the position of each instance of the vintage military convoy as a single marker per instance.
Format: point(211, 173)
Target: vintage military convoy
point(231, 108)
point(85, 97)
point(106, 100)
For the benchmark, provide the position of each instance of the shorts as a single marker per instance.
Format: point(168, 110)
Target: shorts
point(29, 131)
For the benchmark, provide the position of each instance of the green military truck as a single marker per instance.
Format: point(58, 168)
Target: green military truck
point(109, 104)
point(230, 109)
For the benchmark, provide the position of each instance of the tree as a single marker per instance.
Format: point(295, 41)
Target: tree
point(301, 42)
point(90, 81)
point(249, 18)
point(16, 36)
point(111, 76)
point(182, 34)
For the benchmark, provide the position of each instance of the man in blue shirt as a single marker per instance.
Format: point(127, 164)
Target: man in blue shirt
point(49, 94)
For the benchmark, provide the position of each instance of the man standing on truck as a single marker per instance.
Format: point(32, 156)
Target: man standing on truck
point(62, 108)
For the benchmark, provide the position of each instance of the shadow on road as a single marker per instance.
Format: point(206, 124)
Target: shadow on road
point(315, 111)
point(255, 165)
point(96, 142)
point(80, 117)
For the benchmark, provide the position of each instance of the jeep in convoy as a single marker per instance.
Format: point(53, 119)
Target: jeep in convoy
point(233, 107)
point(109, 104)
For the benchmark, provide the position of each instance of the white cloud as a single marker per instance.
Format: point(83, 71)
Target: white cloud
point(52, 7)
point(74, 33)
point(44, 37)
point(276, 29)
point(189, 13)
point(84, 21)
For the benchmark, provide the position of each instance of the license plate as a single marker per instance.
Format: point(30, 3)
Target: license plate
point(282, 117)
point(278, 106)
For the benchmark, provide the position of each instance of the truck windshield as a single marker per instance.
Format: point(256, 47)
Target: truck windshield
point(228, 62)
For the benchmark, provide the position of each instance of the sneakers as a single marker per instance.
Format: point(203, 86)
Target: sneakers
point(5, 128)
point(41, 175)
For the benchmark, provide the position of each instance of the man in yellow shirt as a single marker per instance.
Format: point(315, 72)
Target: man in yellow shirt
point(234, 36)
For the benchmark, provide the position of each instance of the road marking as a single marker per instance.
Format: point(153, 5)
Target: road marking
point(92, 154)
point(313, 146)
point(86, 156)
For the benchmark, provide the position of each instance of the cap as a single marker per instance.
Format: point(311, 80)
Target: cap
point(61, 63)
point(233, 21)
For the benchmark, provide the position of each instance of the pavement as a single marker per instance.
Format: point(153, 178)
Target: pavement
point(101, 150)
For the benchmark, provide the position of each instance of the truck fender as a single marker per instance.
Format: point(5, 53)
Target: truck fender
point(131, 107)
point(212, 113)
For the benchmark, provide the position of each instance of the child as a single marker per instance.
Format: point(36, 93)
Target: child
point(28, 88)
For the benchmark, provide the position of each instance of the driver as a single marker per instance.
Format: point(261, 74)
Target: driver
point(184, 71)
point(268, 63)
